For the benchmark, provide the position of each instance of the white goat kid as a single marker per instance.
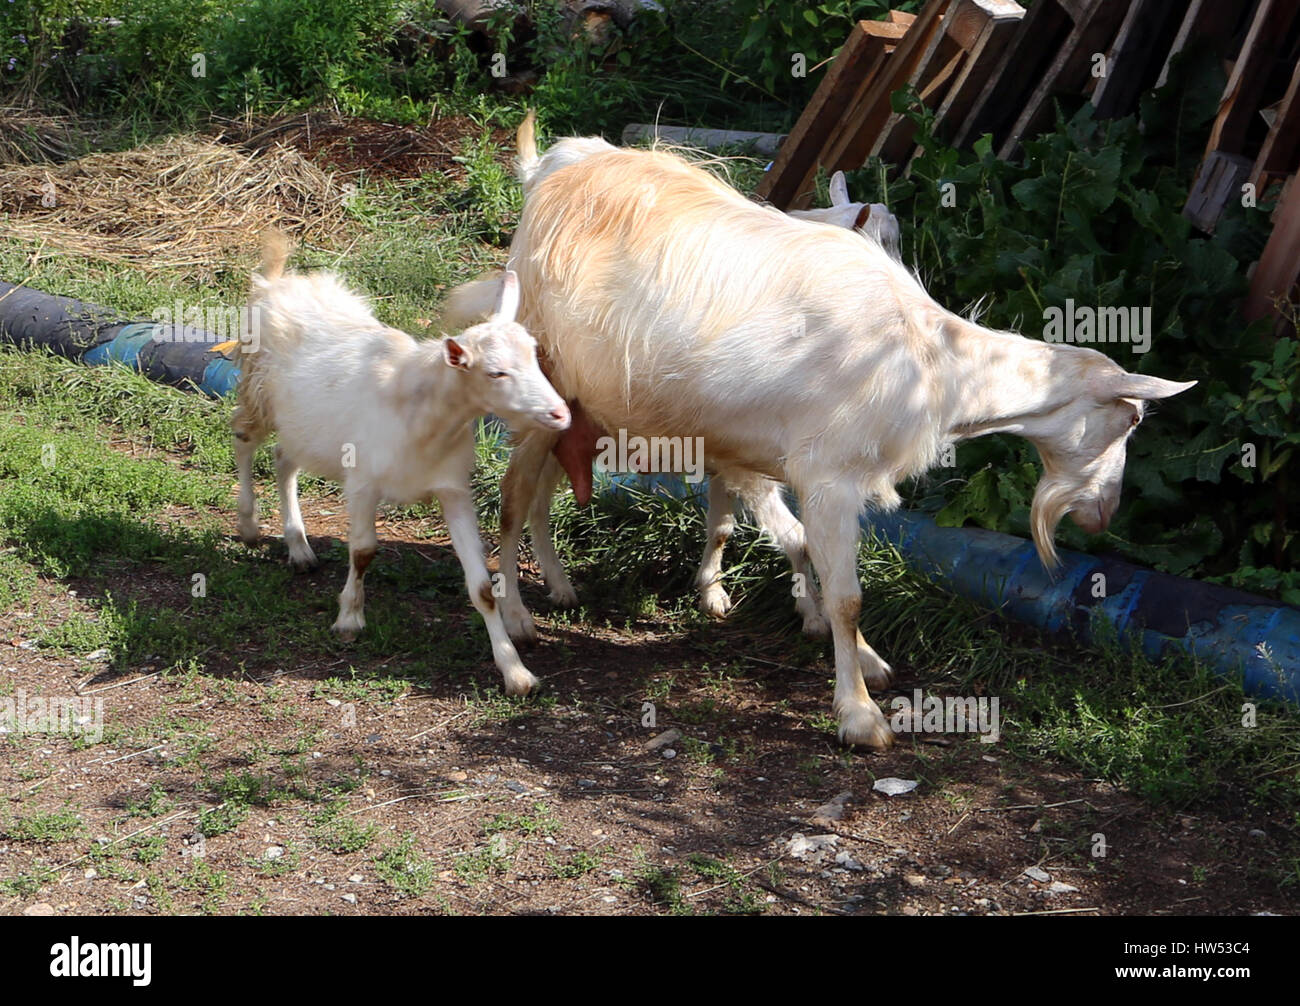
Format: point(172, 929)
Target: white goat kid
point(670, 305)
point(388, 417)
point(872, 219)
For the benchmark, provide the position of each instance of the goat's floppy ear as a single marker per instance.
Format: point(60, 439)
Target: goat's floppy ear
point(839, 189)
point(508, 303)
point(456, 354)
point(1146, 388)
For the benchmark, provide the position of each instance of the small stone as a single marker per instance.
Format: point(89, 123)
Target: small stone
point(1038, 873)
point(274, 852)
point(586, 783)
point(516, 787)
point(832, 810)
point(356, 878)
point(99, 654)
point(669, 753)
point(846, 860)
point(892, 786)
point(663, 740)
point(914, 880)
point(457, 776)
point(333, 702)
point(910, 910)
point(1257, 833)
point(40, 908)
point(1056, 887)
point(802, 846)
point(351, 899)
point(90, 873)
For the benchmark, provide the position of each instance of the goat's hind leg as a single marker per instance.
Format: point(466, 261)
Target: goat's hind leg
point(295, 534)
point(775, 518)
point(519, 488)
point(246, 441)
point(721, 522)
point(362, 544)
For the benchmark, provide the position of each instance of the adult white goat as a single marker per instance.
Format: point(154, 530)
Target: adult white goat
point(470, 302)
point(670, 305)
point(390, 418)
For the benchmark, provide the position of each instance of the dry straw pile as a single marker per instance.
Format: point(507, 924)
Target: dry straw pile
point(183, 203)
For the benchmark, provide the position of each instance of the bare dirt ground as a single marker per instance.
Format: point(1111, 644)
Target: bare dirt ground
point(449, 799)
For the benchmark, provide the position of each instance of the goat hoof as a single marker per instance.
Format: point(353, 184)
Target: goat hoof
point(564, 596)
point(714, 601)
point(865, 725)
point(815, 625)
point(876, 673)
point(520, 626)
point(249, 532)
point(304, 563)
point(347, 632)
point(519, 681)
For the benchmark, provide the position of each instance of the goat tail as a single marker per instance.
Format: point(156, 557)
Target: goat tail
point(276, 247)
point(470, 303)
point(526, 144)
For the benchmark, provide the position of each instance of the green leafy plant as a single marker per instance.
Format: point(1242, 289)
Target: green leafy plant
point(1092, 213)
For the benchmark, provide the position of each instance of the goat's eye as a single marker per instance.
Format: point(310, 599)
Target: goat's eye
point(1136, 419)
point(496, 375)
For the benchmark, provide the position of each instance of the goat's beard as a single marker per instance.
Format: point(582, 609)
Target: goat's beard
point(1052, 501)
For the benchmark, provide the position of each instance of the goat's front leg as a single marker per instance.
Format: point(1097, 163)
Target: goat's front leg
point(831, 522)
point(362, 544)
point(720, 523)
point(458, 512)
point(528, 462)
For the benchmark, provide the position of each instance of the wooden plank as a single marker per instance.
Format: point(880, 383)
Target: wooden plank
point(1218, 182)
point(819, 118)
point(1070, 70)
point(964, 27)
point(1279, 266)
point(1277, 157)
point(1244, 91)
point(1024, 59)
point(1204, 18)
point(831, 155)
point(975, 72)
point(901, 17)
point(1130, 63)
point(873, 110)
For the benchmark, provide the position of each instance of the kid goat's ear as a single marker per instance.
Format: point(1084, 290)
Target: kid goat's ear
point(456, 354)
point(508, 303)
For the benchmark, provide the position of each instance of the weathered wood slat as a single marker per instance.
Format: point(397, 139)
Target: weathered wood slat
point(1279, 267)
point(873, 110)
point(1278, 156)
point(1143, 38)
point(798, 155)
point(1095, 25)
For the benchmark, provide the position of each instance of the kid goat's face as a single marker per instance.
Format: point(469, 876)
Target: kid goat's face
point(499, 360)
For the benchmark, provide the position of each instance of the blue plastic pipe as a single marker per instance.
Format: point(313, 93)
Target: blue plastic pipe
point(1235, 633)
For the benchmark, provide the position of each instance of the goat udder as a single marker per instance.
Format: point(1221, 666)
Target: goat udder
point(576, 450)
